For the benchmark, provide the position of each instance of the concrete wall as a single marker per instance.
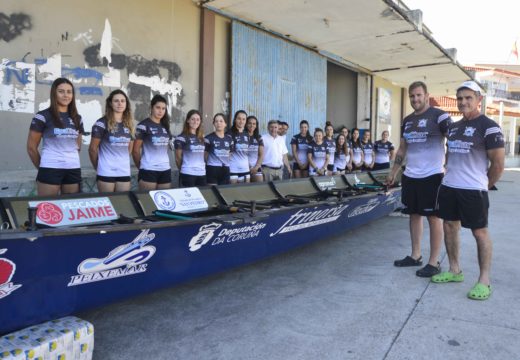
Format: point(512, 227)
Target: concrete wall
point(377, 126)
point(341, 96)
point(143, 47)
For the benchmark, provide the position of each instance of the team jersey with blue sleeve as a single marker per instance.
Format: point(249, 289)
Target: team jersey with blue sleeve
point(239, 158)
point(382, 151)
point(368, 151)
point(331, 147)
point(60, 145)
point(254, 145)
point(218, 149)
point(318, 153)
point(424, 136)
point(468, 143)
point(114, 157)
point(302, 144)
point(192, 154)
point(155, 145)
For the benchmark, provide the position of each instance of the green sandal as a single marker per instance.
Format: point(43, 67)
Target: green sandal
point(480, 292)
point(446, 276)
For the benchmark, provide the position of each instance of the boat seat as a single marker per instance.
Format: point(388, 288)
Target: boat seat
point(17, 214)
point(362, 180)
point(303, 187)
point(148, 206)
point(379, 176)
point(260, 192)
point(336, 182)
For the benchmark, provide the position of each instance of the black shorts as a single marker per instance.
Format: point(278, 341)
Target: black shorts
point(192, 180)
point(330, 167)
point(295, 166)
point(113, 179)
point(419, 196)
point(241, 175)
point(217, 175)
point(54, 176)
point(381, 166)
point(154, 176)
point(468, 206)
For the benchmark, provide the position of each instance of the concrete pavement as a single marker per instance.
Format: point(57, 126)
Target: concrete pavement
point(340, 298)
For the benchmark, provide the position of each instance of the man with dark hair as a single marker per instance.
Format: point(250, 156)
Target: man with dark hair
point(475, 162)
point(422, 143)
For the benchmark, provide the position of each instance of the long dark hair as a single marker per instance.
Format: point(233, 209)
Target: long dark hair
point(338, 146)
point(165, 120)
point(128, 120)
point(256, 132)
point(356, 143)
point(309, 136)
point(71, 108)
point(234, 129)
point(186, 129)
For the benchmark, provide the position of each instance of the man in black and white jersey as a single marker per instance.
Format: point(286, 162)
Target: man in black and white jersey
point(475, 162)
point(422, 143)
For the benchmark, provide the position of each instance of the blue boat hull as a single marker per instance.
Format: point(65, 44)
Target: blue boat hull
point(62, 272)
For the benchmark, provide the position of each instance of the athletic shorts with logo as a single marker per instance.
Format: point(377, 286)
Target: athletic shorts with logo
point(419, 196)
point(470, 207)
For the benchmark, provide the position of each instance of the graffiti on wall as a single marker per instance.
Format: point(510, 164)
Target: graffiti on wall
point(101, 72)
point(17, 91)
point(12, 26)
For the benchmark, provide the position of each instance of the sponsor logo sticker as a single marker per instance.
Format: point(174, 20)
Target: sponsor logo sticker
point(225, 235)
point(74, 211)
point(304, 219)
point(124, 260)
point(7, 270)
point(365, 208)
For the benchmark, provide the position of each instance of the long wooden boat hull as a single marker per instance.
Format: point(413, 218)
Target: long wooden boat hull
point(50, 273)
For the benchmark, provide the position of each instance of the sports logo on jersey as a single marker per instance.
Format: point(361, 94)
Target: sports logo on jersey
point(452, 132)
point(469, 131)
point(407, 126)
point(124, 260)
point(7, 270)
point(422, 123)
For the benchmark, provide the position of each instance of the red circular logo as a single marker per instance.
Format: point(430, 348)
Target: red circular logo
point(49, 213)
point(6, 271)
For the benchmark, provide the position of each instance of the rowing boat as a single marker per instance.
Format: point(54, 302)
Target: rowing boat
point(62, 255)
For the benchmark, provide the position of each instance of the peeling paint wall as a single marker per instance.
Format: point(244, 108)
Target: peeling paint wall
point(142, 47)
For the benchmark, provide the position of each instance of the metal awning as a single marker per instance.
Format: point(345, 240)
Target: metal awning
point(375, 36)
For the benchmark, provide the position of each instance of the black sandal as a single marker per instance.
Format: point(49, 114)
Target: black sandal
point(408, 261)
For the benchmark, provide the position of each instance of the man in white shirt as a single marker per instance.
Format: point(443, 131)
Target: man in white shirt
point(275, 153)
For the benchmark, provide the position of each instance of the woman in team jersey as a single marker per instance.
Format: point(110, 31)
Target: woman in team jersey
point(384, 152)
point(357, 151)
point(111, 144)
point(150, 150)
point(343, 158)
point(299, 145)
point(368, 151)
point(318, 155)
point(239, 159)
point(256, 149)
point(189, 152)
point(61, 128)
point(218, 147)
point(331, 146)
